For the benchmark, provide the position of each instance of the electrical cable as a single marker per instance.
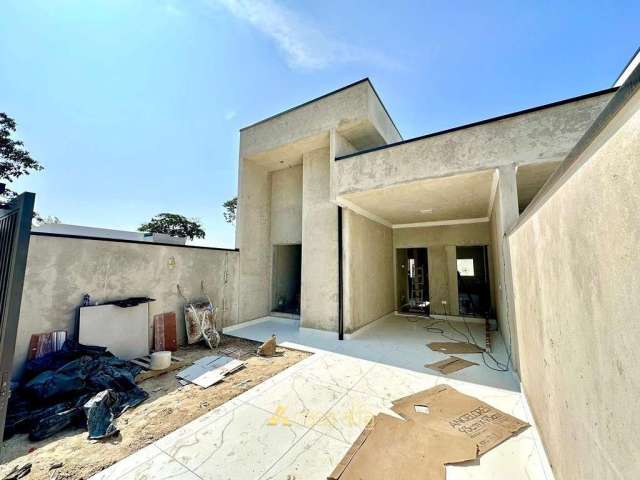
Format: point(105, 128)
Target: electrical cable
point(499, 366)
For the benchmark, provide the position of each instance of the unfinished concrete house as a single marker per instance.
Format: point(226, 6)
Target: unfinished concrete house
point(342, 222)
point(511, 242)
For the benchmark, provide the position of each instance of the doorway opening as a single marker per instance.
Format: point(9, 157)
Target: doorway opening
point(413, 280)
point(286, 281)
point(474, 297)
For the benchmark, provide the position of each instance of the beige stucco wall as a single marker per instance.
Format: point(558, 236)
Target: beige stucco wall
point(280, 201)
point(577, 298)
point(60, 270)
point(286, 206)
point(460, 234)
point(253, 238)
point(319, 302)
point(441, 242)
point(344, 109)
point(368, 271)
point(503, 217)
point(541, 136)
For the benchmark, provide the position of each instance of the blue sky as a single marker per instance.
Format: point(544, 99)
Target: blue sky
point(134, 106)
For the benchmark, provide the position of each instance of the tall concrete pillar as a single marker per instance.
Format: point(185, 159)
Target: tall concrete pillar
point(253, 238)
point(505, 214)
point(319, 302)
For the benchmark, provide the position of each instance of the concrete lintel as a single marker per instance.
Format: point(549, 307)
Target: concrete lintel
point(460, 221)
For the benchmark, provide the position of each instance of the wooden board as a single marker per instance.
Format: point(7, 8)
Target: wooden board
point(145, 363)
point(43, 343)
point(164, 332)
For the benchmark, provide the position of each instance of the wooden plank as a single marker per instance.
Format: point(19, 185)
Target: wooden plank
point(164, 332)
point(144, 375)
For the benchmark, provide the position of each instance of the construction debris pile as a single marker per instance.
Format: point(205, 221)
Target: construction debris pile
point(74, 386)
point(437, 427)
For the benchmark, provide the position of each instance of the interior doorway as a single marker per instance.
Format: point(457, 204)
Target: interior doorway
point(286, 279)
point(474, 296)
point(413, 280)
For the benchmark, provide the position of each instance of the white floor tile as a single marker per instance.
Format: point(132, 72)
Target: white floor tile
point(299, 399)
point(391, 383)
point(239, 445)
point(346, 420)
point(148, 463)
point(313, 458)
point(336, 370)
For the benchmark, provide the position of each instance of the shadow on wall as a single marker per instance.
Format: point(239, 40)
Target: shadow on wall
point(61, 269)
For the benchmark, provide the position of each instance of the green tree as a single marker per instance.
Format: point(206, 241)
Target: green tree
point(174, 225)
point(15, 160)
point(230, 207)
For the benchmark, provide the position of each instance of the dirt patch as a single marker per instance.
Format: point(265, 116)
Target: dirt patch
point(168, 407)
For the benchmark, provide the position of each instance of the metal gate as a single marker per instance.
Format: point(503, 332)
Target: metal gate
point(15, 228)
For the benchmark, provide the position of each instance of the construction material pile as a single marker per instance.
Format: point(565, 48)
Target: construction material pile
point(78, 385)
point(439, 426)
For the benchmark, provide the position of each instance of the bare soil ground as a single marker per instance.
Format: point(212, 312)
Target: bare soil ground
point(169, 406)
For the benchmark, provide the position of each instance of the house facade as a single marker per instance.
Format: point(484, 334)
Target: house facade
point(342, 221)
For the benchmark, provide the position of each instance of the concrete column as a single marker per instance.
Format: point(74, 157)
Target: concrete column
point(452, 277)
point(504, 216)
point(319, 302)
point(253, 238)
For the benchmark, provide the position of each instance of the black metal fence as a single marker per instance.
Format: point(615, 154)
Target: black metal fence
point(15, 227)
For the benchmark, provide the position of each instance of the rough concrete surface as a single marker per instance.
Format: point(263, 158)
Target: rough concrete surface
point(286, 206)
point(577, 297)
point(253, 238)
point(503, 217)
point(368, 267)
point(60, 270)
point(541, 136)
point(319, 302)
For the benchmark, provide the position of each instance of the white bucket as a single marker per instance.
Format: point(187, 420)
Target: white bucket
point(160, 360)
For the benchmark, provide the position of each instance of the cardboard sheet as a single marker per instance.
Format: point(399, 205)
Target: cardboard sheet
point(390, 448)
point(454, 347)
point(441, 426)
point(450, 365)
point(454, 412)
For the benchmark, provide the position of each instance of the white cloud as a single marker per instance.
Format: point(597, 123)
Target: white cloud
point(305, 46)
point(172, 8)
point(230, 115)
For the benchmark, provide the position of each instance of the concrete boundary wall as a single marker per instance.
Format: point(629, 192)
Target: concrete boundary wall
point(574, 257)
point(60, 269)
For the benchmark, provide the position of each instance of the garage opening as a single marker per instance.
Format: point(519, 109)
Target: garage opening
point(474, 297)
point(413, 280)
point(286, 281)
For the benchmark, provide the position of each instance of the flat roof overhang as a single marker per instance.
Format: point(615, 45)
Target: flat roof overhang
point(355, 111)
point(540, 135)
point(464, 198)
point(450, 200)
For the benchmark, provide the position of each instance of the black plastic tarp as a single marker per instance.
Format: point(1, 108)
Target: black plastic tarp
point(55, 389)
